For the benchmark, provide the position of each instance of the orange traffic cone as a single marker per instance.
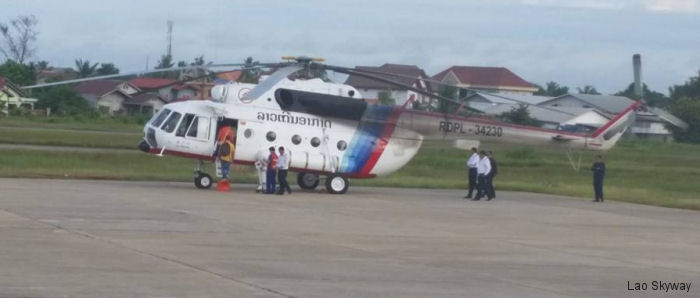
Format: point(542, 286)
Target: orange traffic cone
point(223, 186)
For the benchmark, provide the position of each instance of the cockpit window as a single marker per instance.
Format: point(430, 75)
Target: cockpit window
point(158, 120)
point(169, 125)
point(184, 125)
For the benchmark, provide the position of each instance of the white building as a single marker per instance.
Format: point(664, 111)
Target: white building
point(646, 125)
point(550, 117)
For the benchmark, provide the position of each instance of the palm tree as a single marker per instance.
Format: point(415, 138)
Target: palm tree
point(588, 89)
point(107, 69)
point(84, 69)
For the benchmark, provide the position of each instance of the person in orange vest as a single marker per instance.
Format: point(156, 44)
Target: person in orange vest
point(271, 171)
point(226, 152)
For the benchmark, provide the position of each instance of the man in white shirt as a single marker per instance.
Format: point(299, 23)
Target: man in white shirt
point(472, 164)
point(483, 169)
point(282, 167)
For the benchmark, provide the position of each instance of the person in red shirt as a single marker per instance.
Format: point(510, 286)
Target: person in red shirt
point(271, 171)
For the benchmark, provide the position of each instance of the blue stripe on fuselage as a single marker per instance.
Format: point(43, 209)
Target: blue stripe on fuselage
point(366, 137)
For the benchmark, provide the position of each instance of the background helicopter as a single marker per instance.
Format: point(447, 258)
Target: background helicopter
point(328, 129)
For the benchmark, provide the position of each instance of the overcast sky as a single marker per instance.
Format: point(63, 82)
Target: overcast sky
point(573, 42)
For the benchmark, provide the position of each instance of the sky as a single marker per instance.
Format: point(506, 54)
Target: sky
point(571, 42)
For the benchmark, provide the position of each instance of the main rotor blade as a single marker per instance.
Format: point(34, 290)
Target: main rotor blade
point(140, 73)
point(429, 80)
point(352, 71)
point(271, 81)
point(187, 80)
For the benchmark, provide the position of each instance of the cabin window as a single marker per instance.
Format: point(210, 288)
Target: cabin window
point(315, 141)
point(184, 125)
point(160, 118)
point(199, 128)
point(248, 133)
point(342, 145)
point(271, 136)
point(169, 125)
point(296, 139)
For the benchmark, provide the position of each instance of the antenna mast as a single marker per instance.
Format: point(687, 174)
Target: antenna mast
point(170, 38)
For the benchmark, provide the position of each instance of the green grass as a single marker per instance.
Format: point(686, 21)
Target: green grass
point(99, 165)
point(120, 124)
point(641, 172)
point(59, 137)
point(638, 171)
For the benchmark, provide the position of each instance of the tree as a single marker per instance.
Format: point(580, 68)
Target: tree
point(39, 66)
point(250, 73)
point(63, 100)
point(651, 97)
point(691, 89)
point(18, 73)
point(448, 91)
point(107, 69)
point(688, 109)
point(166, 61)
point(385, 98)
point(519, 115)
point(685, 104)
point(18, 38)
point(553, 89)
point(588, 89)
point(84, 69)
point(198, 61)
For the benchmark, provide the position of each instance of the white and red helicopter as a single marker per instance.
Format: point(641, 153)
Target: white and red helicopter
point(329, 130)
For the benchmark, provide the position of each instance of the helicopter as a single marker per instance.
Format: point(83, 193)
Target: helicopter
point(329, 130)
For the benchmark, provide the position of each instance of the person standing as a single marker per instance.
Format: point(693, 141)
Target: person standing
point(489, 178)
point(225, 156)
point(483, 169)
point(598, 169)
point(261, 167)
point(282, 168)
point(472, 164)
point(271, 171)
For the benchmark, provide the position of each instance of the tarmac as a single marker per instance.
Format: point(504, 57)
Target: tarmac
point(81, 238)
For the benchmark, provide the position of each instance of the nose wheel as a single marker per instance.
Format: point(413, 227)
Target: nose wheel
point(202, 180)
point(336, 184)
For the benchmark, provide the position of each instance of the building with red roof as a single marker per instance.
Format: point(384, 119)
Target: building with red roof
point(489, 79)
point(145, 83)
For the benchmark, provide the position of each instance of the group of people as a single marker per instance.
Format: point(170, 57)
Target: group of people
point(270, 167)
point(482, 169)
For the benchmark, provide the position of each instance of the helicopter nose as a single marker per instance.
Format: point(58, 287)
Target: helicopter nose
point(143, 146)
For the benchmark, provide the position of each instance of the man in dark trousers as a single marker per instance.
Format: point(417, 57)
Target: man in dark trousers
point(271, 171)
point(489, 178)
point(598, 169)
point(282, 168)
point(483, 170)
point(472, 164)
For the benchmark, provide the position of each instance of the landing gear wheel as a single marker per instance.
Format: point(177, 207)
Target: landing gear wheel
point(308, 181)
point(336, 184)
point(202, 180)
